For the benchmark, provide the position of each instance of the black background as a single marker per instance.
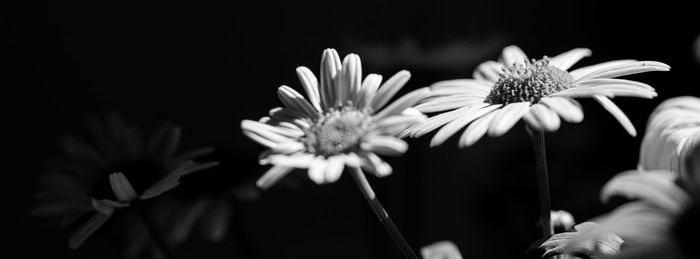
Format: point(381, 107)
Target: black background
point(209, 65)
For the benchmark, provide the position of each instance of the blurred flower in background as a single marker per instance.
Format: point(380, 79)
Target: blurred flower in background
point(117, 169)
point(661, 220)
point(343, 122)
point(537, 91)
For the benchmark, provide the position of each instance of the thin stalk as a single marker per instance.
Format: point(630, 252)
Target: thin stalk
point(154, 232)
point(378, 209)
point(542, 181)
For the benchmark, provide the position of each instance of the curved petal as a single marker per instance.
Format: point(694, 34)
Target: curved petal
point(475, 112)
point(656, 187)
point(368, 91)
point(567, 109)
point(488, 71)
point(349, 79)
point(448, 103)
point(406, 101)
point(546, 118)
point(476, 130)
point(506, 117)
point(617, 113)
point(389, 89)
point(512, 55)
point(330, 66)
point(375, 165)
point(627, 69)
point(317, 170)
point(565, 60)
point(294, 100)
point(634, 222)
point(335, 167)
point(385, 145)
point(272, 176)
point(310, 83)
point(580, 72)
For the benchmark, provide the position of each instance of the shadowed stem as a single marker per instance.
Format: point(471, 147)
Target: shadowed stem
point(542, 181)
point(378, 209)
point(155, 233)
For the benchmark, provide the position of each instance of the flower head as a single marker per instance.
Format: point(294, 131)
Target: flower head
point(344, 121)
point(116, 170)
point(540, 92)
point(661, 220)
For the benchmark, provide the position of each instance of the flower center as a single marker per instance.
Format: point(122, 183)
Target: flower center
point(338, 131)
point(528, 82)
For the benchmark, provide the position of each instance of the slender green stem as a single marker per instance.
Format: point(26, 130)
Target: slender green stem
point(154, 232)
point(542, 181)
point(378, 209)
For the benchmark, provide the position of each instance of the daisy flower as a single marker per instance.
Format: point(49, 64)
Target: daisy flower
point(119, 169)
point(541, 92)
point(660, 221)
point(346, 121)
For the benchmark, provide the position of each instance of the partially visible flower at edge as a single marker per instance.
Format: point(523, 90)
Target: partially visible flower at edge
point(343, 122)
point(441, 250)
point(117, 169)
point(537, 91)
point(662, 220)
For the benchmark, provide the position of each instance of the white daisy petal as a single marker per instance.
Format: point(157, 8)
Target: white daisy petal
point(292, 99)
point(628, 69)
point(476, 130)
point(580, 72)
point(285, 114)
point(488, 71)
point(394, 125)
point(121, 187)
point(565, 60)
point(368, 91)
point(608, 91)
point(349, 79)
point(288, 147)
point(656, 187)
point(530, 120)
point(512, 55)
point(353, 160)
point(318, 169)
point(612, 81)
point(335, 167)
point(465, 118)
point(295, 161)
point(617, 113)
point(385, 145)
point(267, 132)
point(506, 117)
point(272, 176)
point(548, 119)
point(567, 109)
point(389, 89)
point(459, 86)
point(374, 164)
point(330, 66)
point(310, 83)
point(448, 103)
point(434, 122)
point(403, 103)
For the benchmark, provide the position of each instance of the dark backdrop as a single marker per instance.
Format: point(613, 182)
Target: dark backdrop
point(207, 66)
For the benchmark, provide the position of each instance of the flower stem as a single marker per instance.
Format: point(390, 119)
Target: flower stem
point(542, 181)
point(156, 235)
point(378, 209)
